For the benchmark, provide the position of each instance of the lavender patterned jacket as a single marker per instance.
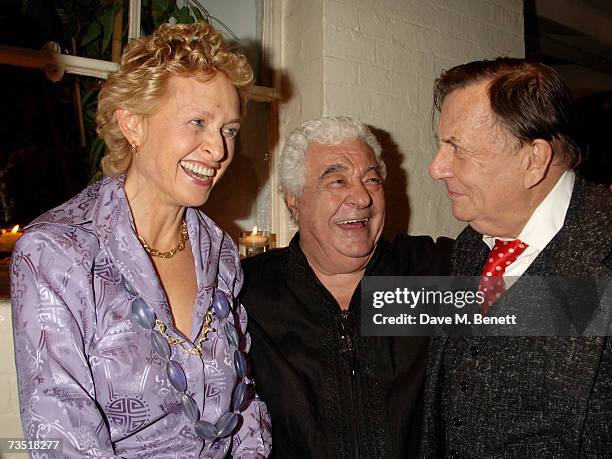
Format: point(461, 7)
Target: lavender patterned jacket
point(86, 373)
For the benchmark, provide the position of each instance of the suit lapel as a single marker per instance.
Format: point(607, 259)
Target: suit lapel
point(469, 254)
point(583, 244)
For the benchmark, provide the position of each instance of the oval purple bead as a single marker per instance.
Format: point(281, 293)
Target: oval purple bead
point(231, 333)
point(190, 407)
point(142, 313)
point(226, 424)
point(129, 287)
point(240, 363)
point(206, 430)
point(160, 345)
point(240, 393)
point(176, 375)
point(220, 304)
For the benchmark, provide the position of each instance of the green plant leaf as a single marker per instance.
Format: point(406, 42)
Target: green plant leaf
point(95, 154)
point(95, 177)
point(183, 16)
point(91, 34)
point(64, 16)
point(164, 5)
point(199, 16)
point(91, 95)
point(24, 6)
point(162, 10)
point(108, 22)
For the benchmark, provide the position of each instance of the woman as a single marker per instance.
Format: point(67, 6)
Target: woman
point(127, 339)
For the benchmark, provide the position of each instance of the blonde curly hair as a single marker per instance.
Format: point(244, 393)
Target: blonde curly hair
point(141, 81)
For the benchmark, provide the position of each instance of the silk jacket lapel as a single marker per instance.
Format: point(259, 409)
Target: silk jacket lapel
point(113, 225)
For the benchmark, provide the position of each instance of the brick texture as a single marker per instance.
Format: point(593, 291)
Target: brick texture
point(377, 63)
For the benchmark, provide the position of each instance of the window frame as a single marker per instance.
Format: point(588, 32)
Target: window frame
point(56, 64)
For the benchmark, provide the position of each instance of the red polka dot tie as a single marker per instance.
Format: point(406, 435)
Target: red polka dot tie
point(501, 256)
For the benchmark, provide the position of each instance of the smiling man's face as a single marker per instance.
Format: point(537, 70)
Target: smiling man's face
point(341, 211)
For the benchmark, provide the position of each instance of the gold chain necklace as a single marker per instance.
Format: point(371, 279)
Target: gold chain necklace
point(197, 350)
point(179, 248)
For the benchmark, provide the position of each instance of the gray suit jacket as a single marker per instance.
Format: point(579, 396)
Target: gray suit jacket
point(527, 396)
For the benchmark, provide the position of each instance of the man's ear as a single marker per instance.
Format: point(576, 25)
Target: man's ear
point(536, 162)
point(132, 126)
point(292, 204)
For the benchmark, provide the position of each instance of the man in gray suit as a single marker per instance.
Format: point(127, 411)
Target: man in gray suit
point(508, 144)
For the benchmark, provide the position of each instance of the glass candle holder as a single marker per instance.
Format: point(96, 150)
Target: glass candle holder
point(253, 242)
point(8, 238)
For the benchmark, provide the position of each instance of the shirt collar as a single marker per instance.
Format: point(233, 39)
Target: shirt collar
point(548, 218)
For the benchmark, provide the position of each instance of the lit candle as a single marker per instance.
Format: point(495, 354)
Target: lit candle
point(255, 237)
point(253, 242)
point(8, 238)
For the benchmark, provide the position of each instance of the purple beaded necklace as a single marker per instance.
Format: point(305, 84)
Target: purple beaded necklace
point(145, 317)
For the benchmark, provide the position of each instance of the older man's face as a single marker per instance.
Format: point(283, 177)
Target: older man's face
point(341, 211)
point(481, 164)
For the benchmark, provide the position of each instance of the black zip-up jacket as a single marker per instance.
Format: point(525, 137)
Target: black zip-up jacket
point(331, 392)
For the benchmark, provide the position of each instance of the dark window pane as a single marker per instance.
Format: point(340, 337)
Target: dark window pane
point(42, 159)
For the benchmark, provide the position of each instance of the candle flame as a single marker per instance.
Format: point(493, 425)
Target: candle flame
point(15, 229)
point(254, 232)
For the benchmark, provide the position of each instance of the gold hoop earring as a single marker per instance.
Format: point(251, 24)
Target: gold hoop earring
point(133, 149)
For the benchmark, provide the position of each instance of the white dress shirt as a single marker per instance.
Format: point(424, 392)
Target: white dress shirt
point(542, 226)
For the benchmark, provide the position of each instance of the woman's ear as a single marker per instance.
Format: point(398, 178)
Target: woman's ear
point(132, 126)
point(537, 160)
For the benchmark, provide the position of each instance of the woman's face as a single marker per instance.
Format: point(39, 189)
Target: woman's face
point(187, 144)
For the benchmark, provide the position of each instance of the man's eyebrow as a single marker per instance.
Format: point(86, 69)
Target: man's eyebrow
point(332, 169)
point(452, 140)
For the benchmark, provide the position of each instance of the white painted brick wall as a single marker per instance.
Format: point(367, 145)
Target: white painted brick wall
point(10, 423)
point(302, 60)
point(379, 62)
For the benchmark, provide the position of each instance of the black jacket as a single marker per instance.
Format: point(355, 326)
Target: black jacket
point(331, 392)
point(528, 396)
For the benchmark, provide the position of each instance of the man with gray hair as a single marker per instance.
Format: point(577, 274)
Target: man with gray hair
point(332, 392)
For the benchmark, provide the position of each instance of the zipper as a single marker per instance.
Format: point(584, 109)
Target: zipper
point(350, 363)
